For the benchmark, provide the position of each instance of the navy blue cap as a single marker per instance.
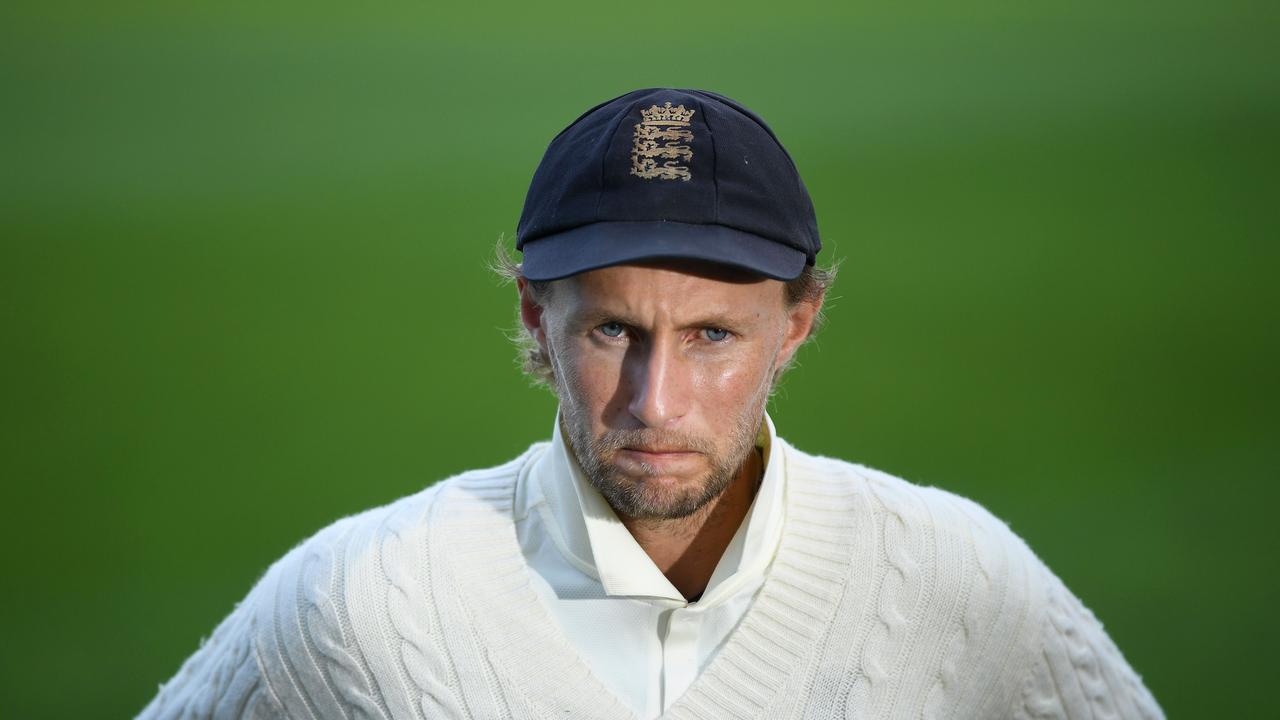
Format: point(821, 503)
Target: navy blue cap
point(665, 173)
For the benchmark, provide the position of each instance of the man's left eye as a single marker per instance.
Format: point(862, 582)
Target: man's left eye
point(715, 334)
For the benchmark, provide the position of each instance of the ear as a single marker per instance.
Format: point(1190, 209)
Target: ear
point(531, 314)
point(800, 320)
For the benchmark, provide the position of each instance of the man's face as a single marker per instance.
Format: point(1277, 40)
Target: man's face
point(663, 372)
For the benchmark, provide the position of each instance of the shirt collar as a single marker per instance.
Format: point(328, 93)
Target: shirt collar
point(592, 538)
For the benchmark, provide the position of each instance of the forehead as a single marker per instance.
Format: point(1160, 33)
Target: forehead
point(674, 287)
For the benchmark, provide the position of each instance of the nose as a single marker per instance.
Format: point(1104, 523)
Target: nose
point(659, 388)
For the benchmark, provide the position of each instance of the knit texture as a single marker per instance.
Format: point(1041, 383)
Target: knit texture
point(885, 600)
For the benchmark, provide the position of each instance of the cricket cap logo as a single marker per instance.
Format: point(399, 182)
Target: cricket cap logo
point(661, 143)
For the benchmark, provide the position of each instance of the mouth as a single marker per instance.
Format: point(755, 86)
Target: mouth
point(657, 450)
point(657, 455)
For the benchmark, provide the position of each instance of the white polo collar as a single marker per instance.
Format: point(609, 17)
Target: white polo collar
point(592, 538)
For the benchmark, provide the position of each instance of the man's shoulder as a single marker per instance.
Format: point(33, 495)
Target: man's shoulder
point(339, 614)
point(927, 567)
point(406, 520)
point(366, 580)
point(921, 508)
point(376, 541)
point(932, 538)
point(1056, 653)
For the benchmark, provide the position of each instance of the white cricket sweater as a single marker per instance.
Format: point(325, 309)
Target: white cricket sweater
point(885, 600)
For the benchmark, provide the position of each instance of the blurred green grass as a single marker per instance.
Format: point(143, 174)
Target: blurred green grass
point(243, 291)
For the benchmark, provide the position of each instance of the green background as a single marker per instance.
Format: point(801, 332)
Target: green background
point(243, 291)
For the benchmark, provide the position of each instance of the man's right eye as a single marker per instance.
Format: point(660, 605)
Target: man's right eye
point(612, 329)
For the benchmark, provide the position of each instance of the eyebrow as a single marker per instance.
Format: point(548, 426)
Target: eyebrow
point(596, 315)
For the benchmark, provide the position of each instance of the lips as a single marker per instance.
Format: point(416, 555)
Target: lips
point(671, 459)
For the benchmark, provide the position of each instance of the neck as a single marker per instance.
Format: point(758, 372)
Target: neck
point(688, 549)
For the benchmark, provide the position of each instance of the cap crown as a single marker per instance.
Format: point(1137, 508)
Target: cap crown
point(671, 156)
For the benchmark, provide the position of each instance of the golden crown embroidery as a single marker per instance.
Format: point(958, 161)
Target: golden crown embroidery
point(670, 127)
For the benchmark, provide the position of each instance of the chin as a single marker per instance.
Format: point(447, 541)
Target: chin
point(657, 497)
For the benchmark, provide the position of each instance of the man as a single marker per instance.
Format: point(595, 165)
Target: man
point(666, 553)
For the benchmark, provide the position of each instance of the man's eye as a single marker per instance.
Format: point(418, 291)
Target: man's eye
point(715, 334)
point(612, 329)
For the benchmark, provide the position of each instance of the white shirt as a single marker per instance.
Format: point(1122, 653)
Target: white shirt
point(628, 623)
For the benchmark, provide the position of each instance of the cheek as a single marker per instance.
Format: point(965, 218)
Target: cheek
point(723, 386)
point(591, 376)
point(717, 379)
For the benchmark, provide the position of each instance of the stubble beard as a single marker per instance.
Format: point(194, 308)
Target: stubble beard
point(628, 494)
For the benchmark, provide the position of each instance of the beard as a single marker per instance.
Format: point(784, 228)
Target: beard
point(628, 493)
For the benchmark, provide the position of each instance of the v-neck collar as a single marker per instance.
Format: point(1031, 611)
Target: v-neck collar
point(473, 537)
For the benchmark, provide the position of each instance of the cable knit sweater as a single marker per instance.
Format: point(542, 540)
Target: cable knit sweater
point(885, 600)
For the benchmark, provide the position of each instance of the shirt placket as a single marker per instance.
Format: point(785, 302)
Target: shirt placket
point(679, 653)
